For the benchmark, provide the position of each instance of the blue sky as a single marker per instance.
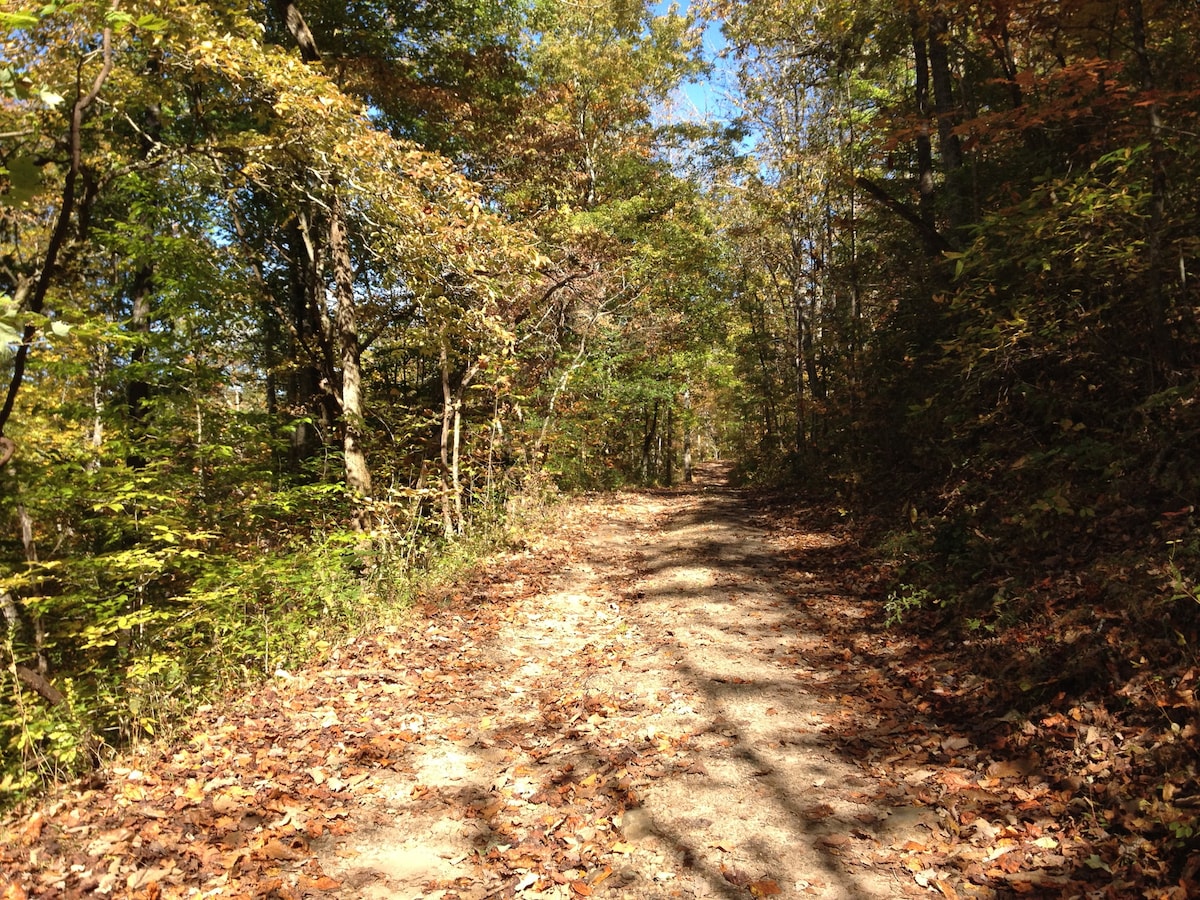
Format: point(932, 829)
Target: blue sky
point(703, 100)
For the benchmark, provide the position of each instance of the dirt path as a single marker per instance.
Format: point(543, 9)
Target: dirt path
point(645, 726)
point(642, 705)
point(675, 694)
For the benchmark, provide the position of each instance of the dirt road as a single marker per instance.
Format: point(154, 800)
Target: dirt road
point(645, 703)
point(644, 722)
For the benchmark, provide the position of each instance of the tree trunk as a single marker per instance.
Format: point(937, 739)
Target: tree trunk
point(137, 391)
point(539, 446)
point(314, 385)
point(448, 523)
point(946, 110)
point(758, 334)
point(311, 372)
point(687, 436)
point(1160, 350)
point(649, 430)
point(99, 370)
point(30, 294)
point(141, 295)
point(358, 475)
point(294, 22)
point(924, 144)
point(31, 556)
point(456, 458)
point(668, 446)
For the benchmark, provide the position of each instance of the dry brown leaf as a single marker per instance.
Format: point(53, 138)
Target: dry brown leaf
point(765, 888)
point(277, 850)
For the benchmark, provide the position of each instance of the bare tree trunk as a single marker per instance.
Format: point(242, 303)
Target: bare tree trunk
point(97, 437)
point(311, 380)
point(668, 445)
point(494, 433)
point(8, 608)
point(1161, 351)
point(539, 444)
point(25, 522)
point(358, 474)
point(947, 118)
point(141, 295)
point(649, 431)
point(27, 542)
point(448, 524)
point(137, 391)
point(924, 144)
point(758, 333)
point(456, 459)
point(294, 22)
point(30, 295)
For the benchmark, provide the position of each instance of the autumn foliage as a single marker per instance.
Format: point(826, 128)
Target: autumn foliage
point(296, 299)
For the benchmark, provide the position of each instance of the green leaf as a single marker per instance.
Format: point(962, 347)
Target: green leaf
point(24, 180)
point(9, 335)
point(17, 20)
point(1095, 862)
point(151, 23)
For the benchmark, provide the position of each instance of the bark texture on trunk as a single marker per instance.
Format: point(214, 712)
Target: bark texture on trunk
point(1161, 352)
point(946, 109)
point(924, 143)
point(358, 474)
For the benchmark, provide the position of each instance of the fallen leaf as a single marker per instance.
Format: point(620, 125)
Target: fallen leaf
point(529, 879)
point(277, 850)
point(764, 888)
point(735, 876)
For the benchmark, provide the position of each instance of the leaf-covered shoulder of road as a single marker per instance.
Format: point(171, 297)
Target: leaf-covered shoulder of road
point(1055, 759)
point(260, 780)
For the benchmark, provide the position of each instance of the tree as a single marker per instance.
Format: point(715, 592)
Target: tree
point(191, 217)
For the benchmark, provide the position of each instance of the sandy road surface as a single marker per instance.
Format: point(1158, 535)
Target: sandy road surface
point(642, 723)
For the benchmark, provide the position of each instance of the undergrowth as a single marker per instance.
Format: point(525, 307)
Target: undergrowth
point(203, 623)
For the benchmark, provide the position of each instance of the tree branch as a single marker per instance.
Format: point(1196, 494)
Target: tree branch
point(298, 29)
point(58, 237)
point(935, 241)
point(40, 684)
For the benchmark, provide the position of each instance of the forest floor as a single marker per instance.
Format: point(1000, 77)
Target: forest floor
point(670, 694)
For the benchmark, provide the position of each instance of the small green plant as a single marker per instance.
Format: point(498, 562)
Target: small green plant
point(1182, 587)
point(904, 600)
point(1182, 830)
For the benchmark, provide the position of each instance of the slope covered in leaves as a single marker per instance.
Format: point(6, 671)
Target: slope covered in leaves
point(674, 694)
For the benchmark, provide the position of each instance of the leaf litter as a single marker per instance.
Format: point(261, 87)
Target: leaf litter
point(673, 694)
